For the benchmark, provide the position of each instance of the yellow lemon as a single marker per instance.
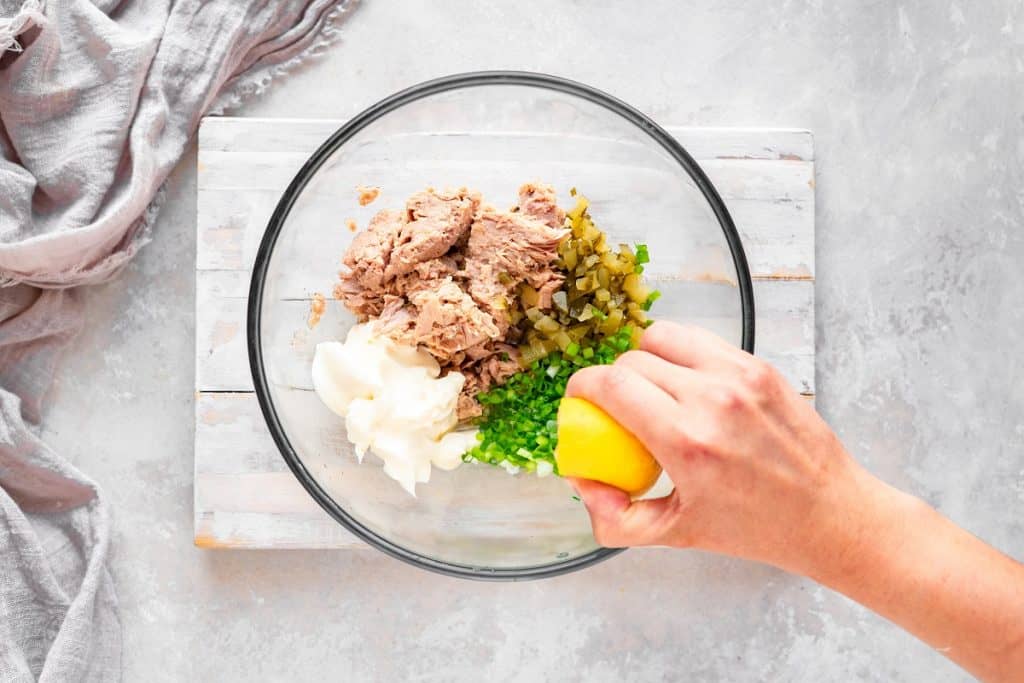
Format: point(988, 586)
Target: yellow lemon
point(591, 445)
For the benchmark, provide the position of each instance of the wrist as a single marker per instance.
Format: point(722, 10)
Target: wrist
point(864, 525)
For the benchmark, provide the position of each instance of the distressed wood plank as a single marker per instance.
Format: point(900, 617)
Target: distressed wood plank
point(733, 178)
point(232, 134)
point(315, 530)
point(232, 435)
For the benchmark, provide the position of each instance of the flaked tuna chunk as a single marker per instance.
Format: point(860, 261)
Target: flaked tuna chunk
point(434, 223)
point(499, 367)
point(501, 363)
point(547, 289)
point(443, 319)
point(540, 202)
point(468, 407)
point(396, 316)
point(370, 252)
point(513, 243)
point(485, 284)
point(424, 275)
point(362, 287)
point(368, 301)
point(504, 250)
point(363, 303)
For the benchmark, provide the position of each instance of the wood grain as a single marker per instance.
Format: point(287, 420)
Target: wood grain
point(245, 497)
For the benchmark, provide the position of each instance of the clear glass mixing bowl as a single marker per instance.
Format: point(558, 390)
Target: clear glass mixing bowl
point(490, 131)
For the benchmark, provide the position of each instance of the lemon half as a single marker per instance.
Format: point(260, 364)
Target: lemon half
point(591, 445)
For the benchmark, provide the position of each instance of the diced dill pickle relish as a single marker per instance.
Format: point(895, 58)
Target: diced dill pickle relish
point(602, 293)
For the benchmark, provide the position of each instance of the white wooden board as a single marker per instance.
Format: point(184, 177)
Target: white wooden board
point(245, 497)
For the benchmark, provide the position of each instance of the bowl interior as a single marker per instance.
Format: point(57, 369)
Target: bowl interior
point(492, 137)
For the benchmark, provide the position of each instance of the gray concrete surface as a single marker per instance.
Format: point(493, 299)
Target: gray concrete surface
point(918, 111)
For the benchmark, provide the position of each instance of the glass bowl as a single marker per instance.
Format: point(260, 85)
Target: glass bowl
point(489, 131)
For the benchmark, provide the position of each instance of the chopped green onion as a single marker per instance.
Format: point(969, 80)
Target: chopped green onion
point(651, 298)
point(519, 427)
point(642, 255)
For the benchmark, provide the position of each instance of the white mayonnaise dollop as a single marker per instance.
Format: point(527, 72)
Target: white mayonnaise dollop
point(394, 404)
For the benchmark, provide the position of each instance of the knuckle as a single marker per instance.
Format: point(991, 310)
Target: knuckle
point(759, 376)
point(677, 438)
point(728, 399)
point(701, 447)
point(705, 443)
point(611, 378)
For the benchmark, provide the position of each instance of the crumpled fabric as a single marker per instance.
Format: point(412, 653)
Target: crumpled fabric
point(98, 101)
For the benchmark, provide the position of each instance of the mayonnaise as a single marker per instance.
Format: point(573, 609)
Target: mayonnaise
point(394, 404)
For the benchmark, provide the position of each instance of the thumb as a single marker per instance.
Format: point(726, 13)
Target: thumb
point(619, 522)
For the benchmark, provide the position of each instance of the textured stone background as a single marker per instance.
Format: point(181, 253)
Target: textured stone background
point(918, 111)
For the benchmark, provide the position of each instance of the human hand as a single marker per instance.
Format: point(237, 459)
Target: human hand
point(757, 473)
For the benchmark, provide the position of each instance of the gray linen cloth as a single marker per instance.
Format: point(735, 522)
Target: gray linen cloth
point(98, 100)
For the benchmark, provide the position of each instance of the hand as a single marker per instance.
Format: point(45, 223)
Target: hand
point(757, 473)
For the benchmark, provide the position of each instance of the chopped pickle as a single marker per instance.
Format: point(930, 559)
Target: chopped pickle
point(602, 294)
point(636, 334)
point(528, 296)
point(634, 288)
point(612, 323)
point(531, 353)
point(547, 325)
point(578, 332)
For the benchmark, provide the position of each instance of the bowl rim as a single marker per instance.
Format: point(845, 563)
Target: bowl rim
point(313, 164)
